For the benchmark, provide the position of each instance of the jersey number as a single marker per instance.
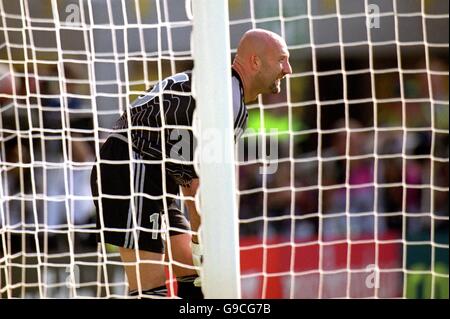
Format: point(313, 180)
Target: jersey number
point(154, 219)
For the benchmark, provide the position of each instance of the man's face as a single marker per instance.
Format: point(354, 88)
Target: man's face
point(275, 66)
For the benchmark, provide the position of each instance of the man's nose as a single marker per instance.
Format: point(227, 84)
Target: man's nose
point(287, 69)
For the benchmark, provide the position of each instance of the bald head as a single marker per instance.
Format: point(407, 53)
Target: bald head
point(262, 60)
point(258, 41)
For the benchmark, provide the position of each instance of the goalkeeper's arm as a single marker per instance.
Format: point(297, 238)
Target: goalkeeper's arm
point(194, 219)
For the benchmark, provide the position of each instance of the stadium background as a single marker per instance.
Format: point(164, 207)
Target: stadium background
point(116, 61)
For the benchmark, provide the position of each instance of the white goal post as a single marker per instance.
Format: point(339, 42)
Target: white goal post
point(219, 235)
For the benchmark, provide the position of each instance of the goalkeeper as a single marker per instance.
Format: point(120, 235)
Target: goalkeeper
point(151, 180)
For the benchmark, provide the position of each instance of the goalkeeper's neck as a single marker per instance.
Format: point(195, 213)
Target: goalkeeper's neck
point(249, 94)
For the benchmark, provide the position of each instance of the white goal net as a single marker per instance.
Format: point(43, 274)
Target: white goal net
point(342, 178)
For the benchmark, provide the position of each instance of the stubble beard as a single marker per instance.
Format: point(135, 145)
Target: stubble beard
point(275, 88)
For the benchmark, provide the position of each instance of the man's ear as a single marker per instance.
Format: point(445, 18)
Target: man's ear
point(255, 62)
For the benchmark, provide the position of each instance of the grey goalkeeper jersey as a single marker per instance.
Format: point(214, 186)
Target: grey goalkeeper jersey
point(178, 106)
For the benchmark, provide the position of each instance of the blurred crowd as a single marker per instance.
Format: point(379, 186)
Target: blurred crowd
point(366, 172)
point(46, 147)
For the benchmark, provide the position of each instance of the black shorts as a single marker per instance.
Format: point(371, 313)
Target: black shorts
point(127, 220)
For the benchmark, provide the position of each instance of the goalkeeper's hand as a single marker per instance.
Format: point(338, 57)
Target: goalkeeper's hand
point(197, 256)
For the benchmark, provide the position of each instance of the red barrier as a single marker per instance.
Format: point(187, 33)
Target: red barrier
point(313, 270)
